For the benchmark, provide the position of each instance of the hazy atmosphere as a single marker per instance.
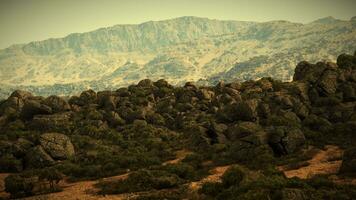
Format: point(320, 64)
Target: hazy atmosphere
point(23, 21)
point(178, 99)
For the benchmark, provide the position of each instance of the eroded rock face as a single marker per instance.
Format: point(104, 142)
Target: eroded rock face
point(57, 145)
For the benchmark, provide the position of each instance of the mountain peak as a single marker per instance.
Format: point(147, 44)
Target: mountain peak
point(326, 20)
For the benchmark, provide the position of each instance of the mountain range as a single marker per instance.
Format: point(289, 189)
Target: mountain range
point(178, 50)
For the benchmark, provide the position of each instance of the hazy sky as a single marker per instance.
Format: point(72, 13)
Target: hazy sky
point(23, 21)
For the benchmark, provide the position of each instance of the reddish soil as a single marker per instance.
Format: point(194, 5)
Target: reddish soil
point(215, 176)
point(326, 161)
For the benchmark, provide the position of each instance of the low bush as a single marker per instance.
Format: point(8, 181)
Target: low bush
point(142, 180)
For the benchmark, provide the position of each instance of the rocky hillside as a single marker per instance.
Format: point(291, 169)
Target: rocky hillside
point(253, 125)
point(178, 50)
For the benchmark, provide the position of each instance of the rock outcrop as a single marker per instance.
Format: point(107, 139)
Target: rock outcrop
point(57, 145)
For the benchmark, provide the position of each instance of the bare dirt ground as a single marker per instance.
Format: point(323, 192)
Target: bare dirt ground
point(180, 155)
point(215, 176)
point(3, 194)
point(326, 161)
point(86, 190)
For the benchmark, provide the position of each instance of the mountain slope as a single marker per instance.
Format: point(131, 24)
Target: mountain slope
point(179, 50)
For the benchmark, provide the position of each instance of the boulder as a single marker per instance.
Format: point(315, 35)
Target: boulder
point(38, 158)
point(34, 107)
point(265, 84)
point(206, 94)
point(247, 110)
point(12, 106)
point(349, 161)
point(57, 145)
point(21, 94)
point(145, 83)
point(242, 129)
point(55, 122)
point(107, 100)
point(114, 118)
point(317, 123)
point(6, 147)
point(328, 82)
point(285, 140)
point(190, 86)
point(21, 147)
point(58, 104)
point(88, 97)
point(346, 61)
point(299, 89)
point(305, 71)
point(235, 94)
point(161, 83)
point(123, 92)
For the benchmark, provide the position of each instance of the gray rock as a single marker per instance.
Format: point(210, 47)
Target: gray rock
point(57, 145)
point(21, 94)
point(57, 104)
point(247, 110)
point(285, 140)
point(34, 107)
point(55, 122)
point(328, 82)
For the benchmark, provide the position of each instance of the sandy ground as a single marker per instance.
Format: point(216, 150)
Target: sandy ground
point(86, 190)
point(215, 176)
point(326, 161)
point(180, 155)
point(3, 194)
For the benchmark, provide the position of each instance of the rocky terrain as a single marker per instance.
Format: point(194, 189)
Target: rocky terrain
point(263, 139)
point(178, 50)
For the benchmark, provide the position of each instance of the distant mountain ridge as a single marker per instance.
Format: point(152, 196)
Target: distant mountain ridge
point(179, 50)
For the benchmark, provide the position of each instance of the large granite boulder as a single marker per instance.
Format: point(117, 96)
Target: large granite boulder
point(285, 140)
point(242, 129)
point(55, 122)
point(21, 94)
point(86, 97)
point(145, 83)
point(247, 110)
point(34, 107)
point(328, 82)
point(107, 100)
point(57, 145)
point(58, 104)
point(346, 61)
point(305, 71)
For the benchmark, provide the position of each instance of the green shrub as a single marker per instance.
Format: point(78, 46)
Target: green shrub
point(142, 180)
point(211, 188)
point(183, 170)
point(19, 186)
point(233, 176)
point(8, 163)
